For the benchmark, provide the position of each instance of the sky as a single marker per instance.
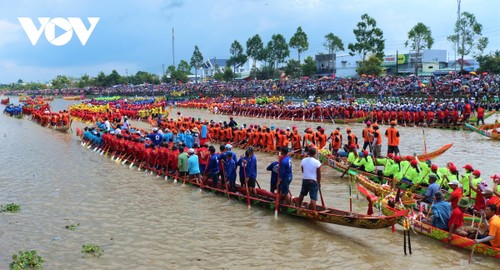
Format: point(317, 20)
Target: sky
point(134, 35)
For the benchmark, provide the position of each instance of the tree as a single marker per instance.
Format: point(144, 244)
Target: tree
point(238, 58)
point(113, 79)
point(489, 63)
point(292, 68)
point(369, 39)
point(19, 81)
point(278, 49)
point(468, 36)
point(309, 67)
point(299, 42)
point(333, 44)
point(371, 66)
point(228, 74)
point(196, 61)
point(61, 81)
point(101, 79)
point(184, 66)
point(218, 75)
point(419, 37)
point(254, 49)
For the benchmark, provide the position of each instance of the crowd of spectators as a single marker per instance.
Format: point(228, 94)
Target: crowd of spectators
point(449, 85)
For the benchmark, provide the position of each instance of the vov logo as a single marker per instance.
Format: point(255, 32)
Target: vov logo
point(68, 25)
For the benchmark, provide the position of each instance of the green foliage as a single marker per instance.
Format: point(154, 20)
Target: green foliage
point(228, 74)
point(218, 75)
point(11, 207)
point(299, 42)
point(196, 61)
point(72, 227)
point(369, 39)
point(277, 49)
point(179, 74)
point(468, 36)
point(60, 82)
point(309, 67)
point(489, 63)
point(333, 43)
point(293, 69)
point(372, 66)
point(238, 58)
point(419, 37)
point(267, 72)
point(255, 49)
point(92, 249)
point(26, 260)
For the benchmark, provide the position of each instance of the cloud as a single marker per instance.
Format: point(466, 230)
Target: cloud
point(169, 8)
point(10, 32)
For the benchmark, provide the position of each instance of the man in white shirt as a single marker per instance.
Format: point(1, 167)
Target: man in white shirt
point(311, 181)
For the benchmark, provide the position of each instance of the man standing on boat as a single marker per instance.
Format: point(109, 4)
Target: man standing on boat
point(285, 175)
point(193, 166)
point(311, 181)
point(392, 134)
point(251, 170)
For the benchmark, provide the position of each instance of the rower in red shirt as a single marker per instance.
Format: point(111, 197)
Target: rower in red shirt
point(456, 195)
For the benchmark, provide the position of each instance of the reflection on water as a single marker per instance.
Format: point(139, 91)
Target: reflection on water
point(143, 222)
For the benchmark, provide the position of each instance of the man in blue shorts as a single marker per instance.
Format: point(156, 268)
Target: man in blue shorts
point(285, 175)
point(311, 181)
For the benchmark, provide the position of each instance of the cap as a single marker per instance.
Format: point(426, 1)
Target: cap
point(414, 162)
point(390, 155)
point(352, 146)
point(191, 151)
point(228, 146)
point(288, 128)
point(397, 158)
point(454, 182)
point(434, 167)
point(368, 123)
point(365, 153)
point(155, 129)
point(393, 123)
point(468, 167)
point(453, 169)
point(476, 173)
point(496, 177)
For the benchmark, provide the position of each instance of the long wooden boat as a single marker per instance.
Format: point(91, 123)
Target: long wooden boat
point(461, 125)
point(14, 111)
point(442, 236)
point(486, 130)
point(266, 200)
point(74, 97)
point(5, 101)
point(341, 164)
point(435, 233)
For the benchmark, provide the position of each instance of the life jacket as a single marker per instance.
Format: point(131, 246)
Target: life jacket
point(392, 136)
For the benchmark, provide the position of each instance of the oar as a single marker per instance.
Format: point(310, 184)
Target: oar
point(475, 238)
point(278, 194)
point(425, 141)
point(346, 170)
point(246, 185)
point(321, 196)
point(350, 193)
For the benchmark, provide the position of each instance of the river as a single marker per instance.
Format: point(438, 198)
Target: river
point(144, 222)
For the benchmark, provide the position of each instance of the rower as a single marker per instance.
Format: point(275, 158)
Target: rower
point(365, 162)
point(494, 226)
point(441, 211)
point(464, 180)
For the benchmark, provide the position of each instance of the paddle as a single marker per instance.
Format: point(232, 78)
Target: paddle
point(246, 185)
point(346, 170)
point(277, 194)
point(321, 196)
point(475, 238)
point(350, 193)
point(425, 141)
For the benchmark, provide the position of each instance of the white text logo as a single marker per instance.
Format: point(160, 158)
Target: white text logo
point(67, 25)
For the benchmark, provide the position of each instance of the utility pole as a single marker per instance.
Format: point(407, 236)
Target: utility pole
point(173, 48)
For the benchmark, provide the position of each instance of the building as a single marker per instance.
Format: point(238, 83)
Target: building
point(210, 66)
point(428, 61)
point(325, 65)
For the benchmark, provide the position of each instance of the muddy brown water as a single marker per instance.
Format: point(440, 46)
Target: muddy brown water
point(144, 222)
